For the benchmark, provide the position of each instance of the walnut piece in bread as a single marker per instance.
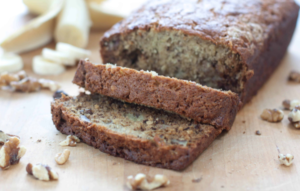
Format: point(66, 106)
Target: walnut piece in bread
point(71, 141)
point(11, 153)
point(272, 115)
point(41, 172)
point(140, 182)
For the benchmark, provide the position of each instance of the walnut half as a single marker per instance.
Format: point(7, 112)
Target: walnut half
point(22, 83)
point(272, 115)
point(71, 141)
point(61, 158)
point(294, 117)
point(140, 182)
point(287, 159)
point(11, 153)
point(41, 172)
point(4, 137)
point(290, 104)
point(294, 76)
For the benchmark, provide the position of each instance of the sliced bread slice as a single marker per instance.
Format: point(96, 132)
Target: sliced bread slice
point(137, 133)
point(188, 99)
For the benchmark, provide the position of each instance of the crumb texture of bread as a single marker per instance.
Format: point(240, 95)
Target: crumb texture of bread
point(137, 133)
point(188, 99)
point(231, 45)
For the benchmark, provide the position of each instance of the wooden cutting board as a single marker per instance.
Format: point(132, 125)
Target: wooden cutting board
point(237, 160)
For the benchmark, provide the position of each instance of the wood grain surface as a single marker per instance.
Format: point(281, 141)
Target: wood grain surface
point(237, 160)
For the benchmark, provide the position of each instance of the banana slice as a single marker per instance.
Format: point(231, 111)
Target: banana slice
point(36, 33)
point(72, 51)
point(10, 62)
point(38, 7)
point(43, 66)
point(105, 14)
point(59, 57)
point(73, 24)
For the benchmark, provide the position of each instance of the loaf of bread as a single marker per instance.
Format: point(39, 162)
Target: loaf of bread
point(188, 99)
point(230, 45)
point(137, 133)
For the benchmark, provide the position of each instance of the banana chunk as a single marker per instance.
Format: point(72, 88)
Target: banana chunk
point(36, 33)
point(10, 62)
point(59, 57)
point(104, 14)
point(43, 66)
point(73, 24)
point(38, 7)
point(72, 51)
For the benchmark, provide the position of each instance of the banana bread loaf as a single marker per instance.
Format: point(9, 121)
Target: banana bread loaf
point(188, 99)
point(230, 45)
point(137, 133)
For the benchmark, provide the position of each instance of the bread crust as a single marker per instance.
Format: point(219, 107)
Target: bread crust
point(188, 99)
point(258, 30)
point(152, 153)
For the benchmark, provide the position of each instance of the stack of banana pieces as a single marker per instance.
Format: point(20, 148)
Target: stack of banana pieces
point(68, 22)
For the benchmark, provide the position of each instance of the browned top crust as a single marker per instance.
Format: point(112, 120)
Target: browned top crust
point(188, 99)
point(243, 26)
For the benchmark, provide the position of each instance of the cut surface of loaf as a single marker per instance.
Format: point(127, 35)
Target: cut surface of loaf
point(137, 133)
point(188, 99)
point(230, 45)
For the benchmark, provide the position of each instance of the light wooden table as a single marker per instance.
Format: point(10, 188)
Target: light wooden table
point(237, 160)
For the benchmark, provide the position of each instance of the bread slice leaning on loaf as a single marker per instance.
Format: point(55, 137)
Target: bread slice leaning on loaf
point(188, 99)
point(136, 133)
point(230, 45)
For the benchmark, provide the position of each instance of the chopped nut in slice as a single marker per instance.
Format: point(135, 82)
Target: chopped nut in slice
point(11, 153)
point(294, 76)
point(294, 117)
point(71, 140)
point(272, 115)
point(290, 105)
point(140, 182)
point(61, 158)
point(41, 172)
point(287, 159)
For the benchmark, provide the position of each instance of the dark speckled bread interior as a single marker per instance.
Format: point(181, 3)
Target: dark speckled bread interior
point(137, 133)
point(230, 45)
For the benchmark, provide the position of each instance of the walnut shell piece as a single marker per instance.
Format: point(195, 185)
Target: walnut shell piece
point(272, 115)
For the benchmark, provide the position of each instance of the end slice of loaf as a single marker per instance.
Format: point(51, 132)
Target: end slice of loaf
point(186, 98)
point(136, 133)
